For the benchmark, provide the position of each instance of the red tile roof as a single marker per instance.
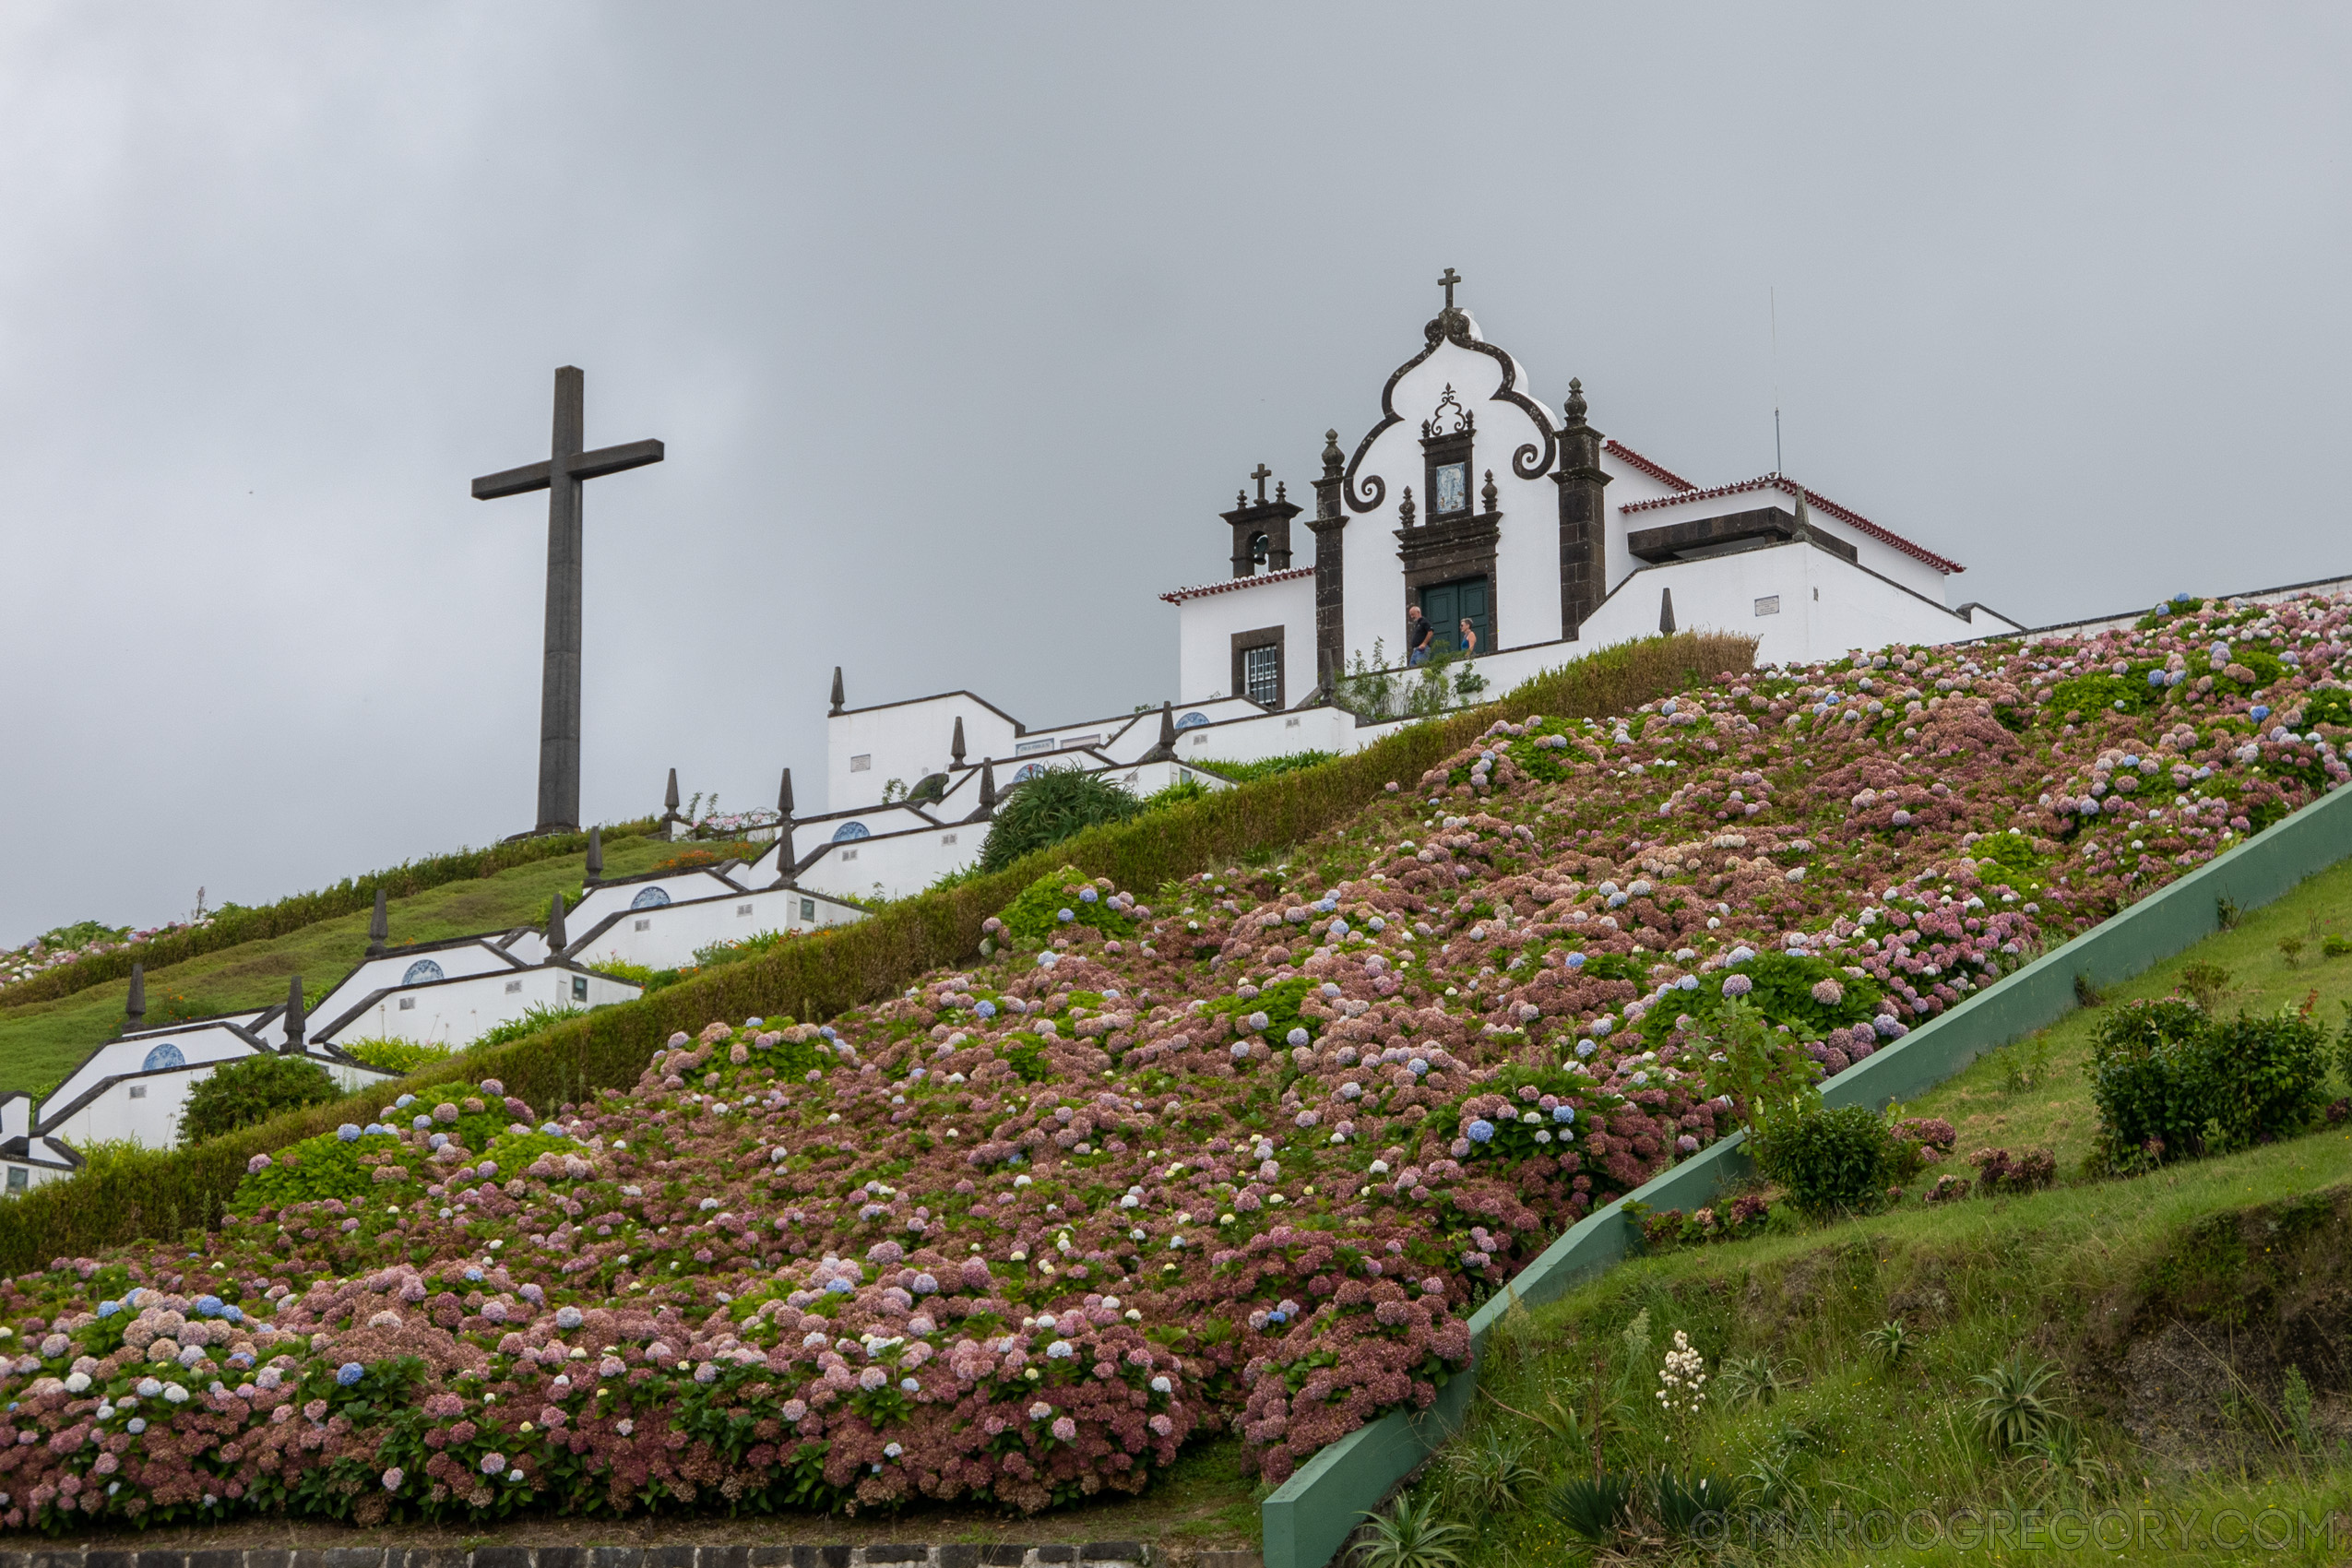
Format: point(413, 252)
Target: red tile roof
point(1232, 583)
point(1818, 502)
point(1658, 471)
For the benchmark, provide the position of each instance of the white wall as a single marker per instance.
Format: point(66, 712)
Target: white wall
point(456, 960)
point(199, 1042)
point(1204, 628)
point(1853, 609)
point(601, 903)
point(905, 740)
point(454, 1013)
point(666, 938)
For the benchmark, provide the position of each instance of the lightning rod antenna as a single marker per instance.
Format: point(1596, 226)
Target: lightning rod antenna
point(1772, 299)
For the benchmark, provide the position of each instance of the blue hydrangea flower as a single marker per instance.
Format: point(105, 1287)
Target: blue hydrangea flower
point(405, 1102)
point(1418, 1067)
point(986, 1009)
point(438, 1140)
point(2259, 712)
point(422, 1122)
point(1483, 1131)
point(108, 1309)
point(1574, 961)
point(1064, 916)
point(208, 1306)
point(1087, 895)
point(1326, 905)
point(548, 1127)
point(826, 1030)
point(2155, 677)
point(474, 1276)
point(1564, 1113)
point(837, 1288)
point(1298, 1037)
point(350, 1373)
point(1240, 1051)
point(1586, 1048)
point(1278, 1315)
point(348, 1133)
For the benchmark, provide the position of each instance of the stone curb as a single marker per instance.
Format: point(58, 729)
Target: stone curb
point(1089, 1554)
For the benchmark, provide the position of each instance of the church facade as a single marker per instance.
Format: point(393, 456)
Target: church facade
point(1523, 535)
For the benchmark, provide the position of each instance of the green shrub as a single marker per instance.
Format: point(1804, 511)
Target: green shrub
point(1055, 806)
point(1267, 767)
point(248, 1092)
point(718, 953)
point(1831, 1161)
point(2171, 1081)
point(393, 1055)
point(1036, 915)
point(536, 1020)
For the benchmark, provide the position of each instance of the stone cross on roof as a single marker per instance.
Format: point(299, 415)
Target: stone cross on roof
point(1262, 475)
point(566, 467)
point(1449, 281)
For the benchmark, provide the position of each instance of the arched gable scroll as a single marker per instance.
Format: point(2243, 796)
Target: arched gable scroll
point(1452, 325)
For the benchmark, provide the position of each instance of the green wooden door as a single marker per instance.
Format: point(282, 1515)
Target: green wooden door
point(1447, 605)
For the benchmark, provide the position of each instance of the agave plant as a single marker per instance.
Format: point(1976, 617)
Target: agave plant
point(2015, 1411)
point(1411, 1535)
point(1687, 1504)
point(1593, 1507)
point(1889, 1342)
point(1496, 1471)
point(1750, 1382)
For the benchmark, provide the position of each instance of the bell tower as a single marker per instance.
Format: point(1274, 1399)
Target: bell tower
point(1261, 527)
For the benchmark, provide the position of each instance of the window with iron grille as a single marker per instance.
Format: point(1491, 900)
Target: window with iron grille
point(1262, 675)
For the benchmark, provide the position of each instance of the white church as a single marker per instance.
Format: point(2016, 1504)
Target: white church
point(1525, 537)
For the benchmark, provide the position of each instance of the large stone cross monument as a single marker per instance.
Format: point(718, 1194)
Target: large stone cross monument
point(559, 692)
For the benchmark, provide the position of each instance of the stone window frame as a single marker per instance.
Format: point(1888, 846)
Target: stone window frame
point(1262, 636)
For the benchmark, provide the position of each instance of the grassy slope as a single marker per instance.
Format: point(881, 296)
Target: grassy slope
point(2036, 1094)
point(2088, 1276)
point(43, 1041)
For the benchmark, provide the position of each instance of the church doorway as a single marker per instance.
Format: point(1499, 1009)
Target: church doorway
point(1447, 605)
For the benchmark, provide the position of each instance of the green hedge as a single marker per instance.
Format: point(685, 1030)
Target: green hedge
point(164, 1192)
point(290, 914)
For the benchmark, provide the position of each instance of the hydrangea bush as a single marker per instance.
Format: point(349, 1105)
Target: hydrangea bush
point(1242, 1156)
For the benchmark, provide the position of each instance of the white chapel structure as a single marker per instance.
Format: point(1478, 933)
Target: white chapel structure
point(1468, 498)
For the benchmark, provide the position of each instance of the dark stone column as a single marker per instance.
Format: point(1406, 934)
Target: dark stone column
point(1583, 513)
point(1330, 524)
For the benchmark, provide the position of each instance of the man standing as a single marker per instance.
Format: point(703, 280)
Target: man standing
point(1420, 636)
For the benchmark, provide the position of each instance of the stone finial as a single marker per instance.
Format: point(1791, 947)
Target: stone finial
point(670, 795)
point(135, 1010)
point(297, 1025)
point(1488, 493)
point(379, 927)
point(596, 854)
point(1406, 509)
point(955, 747)
point(1574, 409)
point(987, 790)
point(556, 939)
point(788, 864)
point(1332, 459)
point(1164, 749)
point(1666, 611)
point(839, 700)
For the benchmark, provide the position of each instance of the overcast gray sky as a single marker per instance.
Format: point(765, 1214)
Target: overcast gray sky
point(961, 323)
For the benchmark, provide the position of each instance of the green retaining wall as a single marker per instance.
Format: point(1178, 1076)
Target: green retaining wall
point(1307, 1522)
